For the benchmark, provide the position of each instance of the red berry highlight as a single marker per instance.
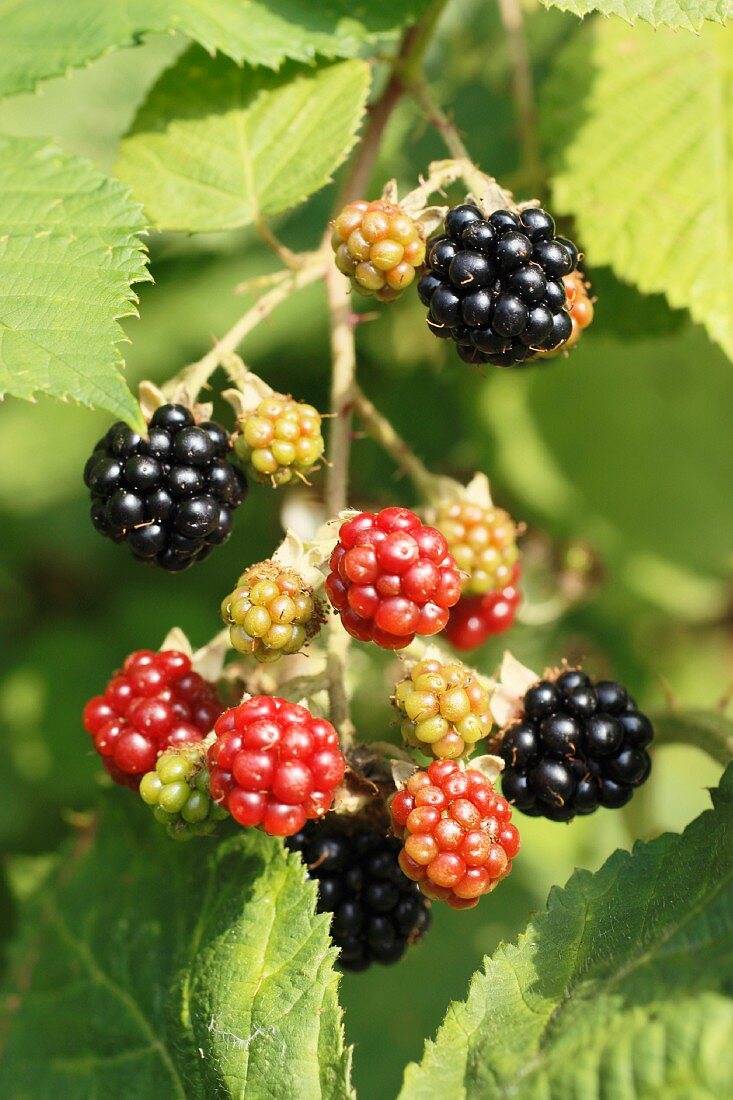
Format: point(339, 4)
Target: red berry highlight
point(154, 702)
point(459, 842)
point(392, 578)
point(274, 766)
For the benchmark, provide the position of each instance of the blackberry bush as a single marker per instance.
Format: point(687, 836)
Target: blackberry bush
point(376, 911)
point(171, 494)
point(178, 792)
point(445, 708)
point(272, 612)
point(154, 702)
point(577, 745)
point(273, 765)
point(392, 578)
point(280, 440)
point(459, 842)
point(379, 247)
point(495, 285)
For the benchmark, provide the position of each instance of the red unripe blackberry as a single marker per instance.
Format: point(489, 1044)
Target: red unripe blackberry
point(494, 285)
point(170, 494)
point(392, 578)
point(444, 707)
point(280, 440)
point(155, 701)
point(271, 612)
point(378, 246)
point(576, 745)
point(459, 842)
point(376, 912)
point(274, 766)
point(475, 619)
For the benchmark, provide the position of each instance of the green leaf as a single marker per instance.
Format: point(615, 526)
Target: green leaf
point(647, 174)
point(69, 252)
point(216, 146)
point(195, 970)
point(709, 730)
point(49, 38)
point(685, 14)
point(620, 988)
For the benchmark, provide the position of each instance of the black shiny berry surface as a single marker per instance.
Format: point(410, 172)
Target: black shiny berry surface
point(494, 286)
point(376, 911)
point(169, 495)
point(578, 745)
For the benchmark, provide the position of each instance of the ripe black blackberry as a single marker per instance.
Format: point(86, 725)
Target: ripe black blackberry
point(577, 746)
point(377, 911)
point(170, 494)
point(495, 285)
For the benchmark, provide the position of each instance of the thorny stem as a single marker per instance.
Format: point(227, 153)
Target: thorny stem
point(384, 434)
point(513, 21)
point(291, 259)
point(343, 348)
point(194, 377)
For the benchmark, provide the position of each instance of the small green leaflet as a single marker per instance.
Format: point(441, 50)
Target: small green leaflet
point(216, 145)
point(195, 970)
point(647, 174)
point(621, 988)
point(49, 37)
point(69, 251)
point(683, 14)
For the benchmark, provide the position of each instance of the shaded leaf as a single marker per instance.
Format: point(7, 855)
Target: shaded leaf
point(196, 970)
point(709, 730)
point(621, 987)
point(647, 172)
point(50, 38)
point(216, 146)
point(69, 252)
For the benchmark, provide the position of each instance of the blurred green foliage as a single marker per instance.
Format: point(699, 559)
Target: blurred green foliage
point(626, 445)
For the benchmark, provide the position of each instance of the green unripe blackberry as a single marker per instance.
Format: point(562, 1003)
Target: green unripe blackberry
point(483, 540)
point(280, 440)
point(444, 707)
point(272, 612)
point(178, 792)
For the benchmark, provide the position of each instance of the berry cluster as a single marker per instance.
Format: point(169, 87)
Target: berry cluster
point(274, 765)
point(484, 543)
point(280, 440)
point(580, 306)
point(578, 745)
point(446, 710)
point(495, 285)
point(178, 791)
point(154, 702)
point(271, 612)
point(392, 578)
point(169, 495)
point(458, 838)
point(376, 911)
point(475, 619)
point(378, 247)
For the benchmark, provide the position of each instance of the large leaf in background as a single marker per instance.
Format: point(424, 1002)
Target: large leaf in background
point(217, 145)
point(647, 173)
point(49, 37)
point(69, 252)
point(195, 970)
point(686, 14)
point(622, 987)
